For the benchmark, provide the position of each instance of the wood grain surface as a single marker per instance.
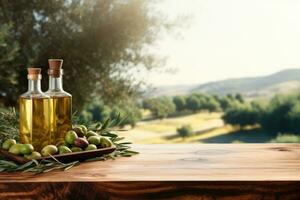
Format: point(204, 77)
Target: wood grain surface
point(188, 171)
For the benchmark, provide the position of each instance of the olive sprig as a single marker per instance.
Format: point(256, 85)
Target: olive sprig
point(107, 129)
point(35, 166)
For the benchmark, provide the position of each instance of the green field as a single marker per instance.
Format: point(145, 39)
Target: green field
point(207, 127)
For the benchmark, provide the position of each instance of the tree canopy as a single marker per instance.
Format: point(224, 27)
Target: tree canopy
point(280, 114)
point(160, 107)
point(101, 43)
point(180, 102)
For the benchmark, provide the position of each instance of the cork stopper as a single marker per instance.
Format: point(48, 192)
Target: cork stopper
point(34, 73)
point(55, 67)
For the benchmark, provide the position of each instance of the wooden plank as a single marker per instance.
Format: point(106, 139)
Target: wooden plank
point(209, 171)
point(210, 190)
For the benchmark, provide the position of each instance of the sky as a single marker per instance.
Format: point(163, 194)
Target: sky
point(229, 39)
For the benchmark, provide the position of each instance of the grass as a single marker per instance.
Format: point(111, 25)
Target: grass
point(171, 124)
point(207, 128)
point(164, 131)
point(197, 137)
point(217, 132)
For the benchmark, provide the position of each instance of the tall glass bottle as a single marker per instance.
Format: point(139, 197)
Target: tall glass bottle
point(61, 102)
point(35, 112)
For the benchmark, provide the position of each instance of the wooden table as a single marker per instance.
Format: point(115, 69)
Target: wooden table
point(184, 171)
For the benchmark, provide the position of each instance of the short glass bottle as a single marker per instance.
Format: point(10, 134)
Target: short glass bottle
point(35, 112)
point(61, 102)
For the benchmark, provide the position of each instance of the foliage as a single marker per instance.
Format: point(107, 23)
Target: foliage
point(230, 96)
point(286, 138)
point(102, 44)
point(193, 103)
point(180, 103)
point(35, 166)
point(146, 104)
point(230, 101)
point(239, 97)
point(98, 111)
point(280, 114)
point(160, 107)
point(9, 125)
point(225, 102)
point(241, 115)
point(199, 102)
point(129, 112)
point(212, 105)
point(8, 52)
point(185, 131)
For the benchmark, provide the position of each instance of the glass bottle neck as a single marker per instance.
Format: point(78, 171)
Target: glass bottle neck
point(55, 83)
point(34, 85)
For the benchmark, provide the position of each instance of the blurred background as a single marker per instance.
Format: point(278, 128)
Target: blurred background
point(193, 71)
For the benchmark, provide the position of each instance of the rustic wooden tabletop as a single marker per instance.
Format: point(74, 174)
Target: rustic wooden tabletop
point(183, 171)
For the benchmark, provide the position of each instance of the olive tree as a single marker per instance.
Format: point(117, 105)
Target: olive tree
point(160, 107)
point(180, 103)
point(102, 43)
point(184, 131)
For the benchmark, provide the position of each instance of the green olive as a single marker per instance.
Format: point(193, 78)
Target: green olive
point(8, 143)
point(94, 140)
point(64, 150)
point(26, 149)
point(49, 150)
point(70, 137)
point(33, 155)
point(15, 149)
point(91, 133)
point(91, 147)
point(76, 149)
point(105, 142)
point(84, 129)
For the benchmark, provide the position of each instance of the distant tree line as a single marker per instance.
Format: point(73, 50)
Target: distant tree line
point(162, 107)
point(98, 111)
point(280, 114)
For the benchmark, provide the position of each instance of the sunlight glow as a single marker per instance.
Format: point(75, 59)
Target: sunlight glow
point(230, 38)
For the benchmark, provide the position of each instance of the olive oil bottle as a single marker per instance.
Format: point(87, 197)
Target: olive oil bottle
point(35, 112)
point(61, 102)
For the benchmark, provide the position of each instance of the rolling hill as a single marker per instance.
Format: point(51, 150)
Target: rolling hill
point(285, 81)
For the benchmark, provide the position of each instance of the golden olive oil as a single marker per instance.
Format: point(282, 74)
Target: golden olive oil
point(61, 117)
point(61, 102)
point(35, 121)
